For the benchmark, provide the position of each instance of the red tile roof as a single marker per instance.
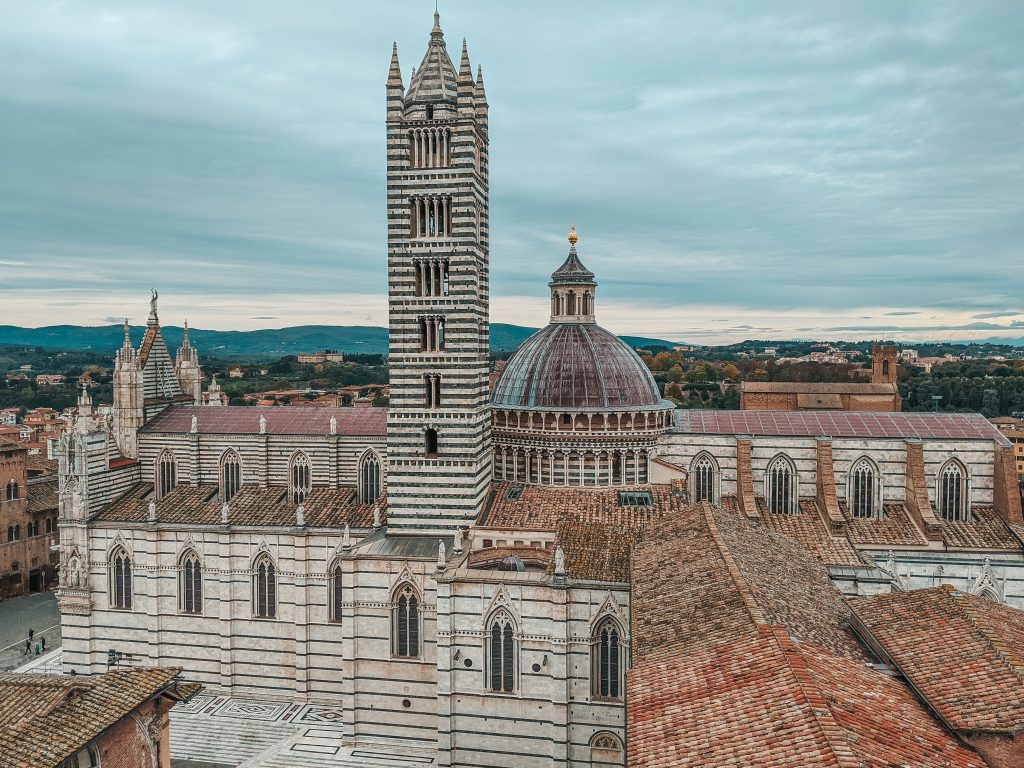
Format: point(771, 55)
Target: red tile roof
point(963, 653)
point(235, 420)
point(824, 387)
point(948, 426)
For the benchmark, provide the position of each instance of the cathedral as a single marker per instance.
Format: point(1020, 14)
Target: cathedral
point(526, 573)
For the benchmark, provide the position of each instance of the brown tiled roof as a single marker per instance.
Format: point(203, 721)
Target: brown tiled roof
point(764, 700)
point(243, 420)
point(201, 505)
point(895, 528)
point(809, 530)
point(40, 465)
point(540, 507)
point(42, 496)
point(47, 718)
point(986, 530)
point(595, 551)
point(813, 388)
point(707, 575)
point(948, 426)
point(963, 653)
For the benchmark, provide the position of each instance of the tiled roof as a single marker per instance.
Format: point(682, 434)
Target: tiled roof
point(236, 420)
point(947, 426)
point(47, 718)
point(986, 530)
point(813, 388)
point(201, 505)
point(594, 551)
point(540, 507)
point(766, 701)
point(706, 576)
point(895, 528)
point(807, 528)
point(42, 496)
point(963, 653)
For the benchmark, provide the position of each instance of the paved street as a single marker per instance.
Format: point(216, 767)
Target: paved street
point(17, 615)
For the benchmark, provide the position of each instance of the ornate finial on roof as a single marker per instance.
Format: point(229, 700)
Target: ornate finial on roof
point(185, 342)
point(573, 236)
point(127, 333)
point(152, 303)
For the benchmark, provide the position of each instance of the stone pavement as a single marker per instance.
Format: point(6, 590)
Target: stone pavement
point(17, 615)
point(49, 663)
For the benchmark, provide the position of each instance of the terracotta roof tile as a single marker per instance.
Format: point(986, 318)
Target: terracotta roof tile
point(823, 387)
point(42, 496)
point(986, 530)
point(235, 420)
point(962, 652)
point(895, 528)
point(808, 529)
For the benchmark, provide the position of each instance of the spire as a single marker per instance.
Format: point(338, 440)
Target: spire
point(435, 79)
point(184, 343)
point(84, 401)
point(395, 72)
point(436, 34)
point(127, 335)
point(466, 86)
point(480, 84)
point(572, 269)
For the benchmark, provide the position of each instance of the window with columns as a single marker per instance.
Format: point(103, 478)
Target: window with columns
point(555, 467)
point(120, 580)
point(431, 277)
point(13, 493)
point(501, 654)
point(431, 216)
point(863, 498)
point(369, 478)
point(781, 486)
point(301, 478)
point(952, 492)
point(702, 478)
point(432, 334)
point(190, 583)
point(430, 147)
point(606, 658)
point(166, 474)
point(230, 475)
point(432, 390)
point(406, 623)
point(264, 588)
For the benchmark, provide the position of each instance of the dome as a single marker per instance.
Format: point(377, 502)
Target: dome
point(575, 367)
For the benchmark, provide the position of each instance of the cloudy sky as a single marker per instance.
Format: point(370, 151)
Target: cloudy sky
point(736, 169)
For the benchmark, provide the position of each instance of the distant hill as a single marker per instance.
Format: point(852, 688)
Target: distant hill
point(268, 343)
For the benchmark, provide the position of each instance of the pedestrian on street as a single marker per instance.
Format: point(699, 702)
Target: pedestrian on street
point(44, 644)
point(31, 633)
point(28, 647)
point(37, 649)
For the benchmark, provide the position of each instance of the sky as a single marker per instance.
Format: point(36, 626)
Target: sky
point(736, 169)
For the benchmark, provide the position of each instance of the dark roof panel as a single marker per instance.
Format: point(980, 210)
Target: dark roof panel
point(298, 420)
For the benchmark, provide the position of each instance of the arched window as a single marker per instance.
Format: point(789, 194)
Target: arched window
point(190, 583)
point(13, 491)
point(501, 654)
point(230, 475)
point(264, 588)
point(406, 623)
point(166, 474)
point(120, 580)
point(301, 478)
point(10, 533)
point(702, 479)
point(863, 497)
point(780, 486)
point(336, 594)
point(369, 478)
point(605, 749)
point(606, 661)
point(952, 491)
point(885, 367)
point(430, 443)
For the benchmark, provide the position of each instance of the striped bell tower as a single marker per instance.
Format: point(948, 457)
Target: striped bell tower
point(439, 424)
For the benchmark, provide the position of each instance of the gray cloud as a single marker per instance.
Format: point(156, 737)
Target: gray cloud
point(742, 154)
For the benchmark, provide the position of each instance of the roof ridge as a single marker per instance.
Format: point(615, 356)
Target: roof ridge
point(746, 594)
point(814, 698)
point(1003, 651)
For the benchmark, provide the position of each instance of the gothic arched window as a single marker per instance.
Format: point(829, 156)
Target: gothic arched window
point(501, 654)
point(166, 474)
point(606, 660)
point(952, 491)
point(190, 583)
point(264, 588)
point(702, 474)
point(605, 749)
point(336, 593)
point(301, 478)
point(369, 478)
point(230, 475)
point(863, 497)
point(120, 579)
point(406, 623)
point(781, 486)
point(13, 491)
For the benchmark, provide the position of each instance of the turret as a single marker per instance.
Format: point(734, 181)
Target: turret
point(188, 371)
point(129, 411)
point(572, 288)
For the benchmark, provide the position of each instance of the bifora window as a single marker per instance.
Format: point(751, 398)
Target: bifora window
point(190, 583)
point(406, 623)
point(703, 473)
point(264, 588)
point(230, 475)
point(13, 491)
point(501, 654)
point(780, 487)
point(120, 580)
point(301, 478)
point(369, 478)
point(863, 490)
point(606, 663)
point(166, 474)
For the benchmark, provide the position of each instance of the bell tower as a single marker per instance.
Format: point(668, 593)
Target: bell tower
point(439, 424)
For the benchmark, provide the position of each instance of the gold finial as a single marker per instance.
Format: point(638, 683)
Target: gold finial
point(573, 237)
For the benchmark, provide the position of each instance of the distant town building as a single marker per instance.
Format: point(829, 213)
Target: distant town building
point(28, 524)
point(908, 355)
point(50, 380)
point(880, 394)
point(236, 372)
point(321, 357)
point(1014, 431)
point(9, 416)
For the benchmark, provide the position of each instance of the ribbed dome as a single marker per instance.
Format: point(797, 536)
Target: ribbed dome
point(575, 366)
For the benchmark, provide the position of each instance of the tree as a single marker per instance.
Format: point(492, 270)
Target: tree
point(675, 373)
point(990, 403)
point(731, 372)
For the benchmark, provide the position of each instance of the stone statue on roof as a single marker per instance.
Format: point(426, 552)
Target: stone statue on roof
point(457, 544)
point(195, 424)
point(263, 424)
point(334, 425)
point(559, 561)
point(152, 302)
point(376, 517)
point(346, 539)
point(224, 512)
point(152, 511)
point(441, 556)
point(300, 515)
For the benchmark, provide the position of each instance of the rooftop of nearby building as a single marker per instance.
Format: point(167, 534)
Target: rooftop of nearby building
point(903, 426)
point(963, 652)
point(244, 420)
point(45, 719)
point(824, 387)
